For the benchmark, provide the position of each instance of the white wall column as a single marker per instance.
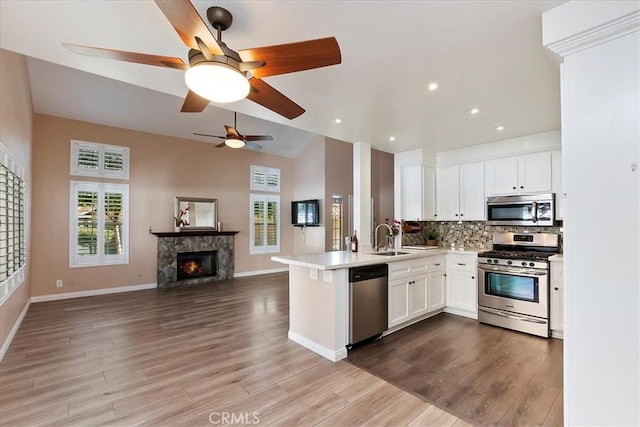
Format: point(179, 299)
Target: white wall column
point(599, 43)
point(362, 194)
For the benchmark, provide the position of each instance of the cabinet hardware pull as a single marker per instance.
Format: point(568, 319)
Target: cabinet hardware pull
point(555, 289)
point(522, 186)
point(461, 263)
point(461, 214)
point(445, 274)
point(437, 264)
point(473, 277)
point(514, 188)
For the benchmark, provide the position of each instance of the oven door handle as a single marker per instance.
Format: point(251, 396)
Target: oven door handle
point(511, 316)
point(534, 212)
point(502, 269)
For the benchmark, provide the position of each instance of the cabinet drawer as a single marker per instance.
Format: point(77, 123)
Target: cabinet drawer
point(462, 262)
point(407, 268)
point(435, 263)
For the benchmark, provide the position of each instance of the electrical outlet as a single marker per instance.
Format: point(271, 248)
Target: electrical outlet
point(313, 273)
point(58, 283)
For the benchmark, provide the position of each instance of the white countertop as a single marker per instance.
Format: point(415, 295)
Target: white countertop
point(556, 257)
point(347, 259)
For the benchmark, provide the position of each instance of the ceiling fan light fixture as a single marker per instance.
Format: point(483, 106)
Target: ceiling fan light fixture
point(217, 82)
point(234, 143)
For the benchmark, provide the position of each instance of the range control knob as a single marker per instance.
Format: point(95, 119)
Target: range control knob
point(489, 261)
point(495, 261)
point(509, 263)
point(524, 263)
point(532, 264)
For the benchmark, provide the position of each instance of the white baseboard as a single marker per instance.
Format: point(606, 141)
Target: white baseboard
point(79, 294)
point(259, 272)
point(14, 330)
point(333, 355)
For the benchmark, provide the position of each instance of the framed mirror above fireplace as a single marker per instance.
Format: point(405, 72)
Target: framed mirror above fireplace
point(193, 213)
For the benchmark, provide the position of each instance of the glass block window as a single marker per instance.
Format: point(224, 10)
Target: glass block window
point(12, 225)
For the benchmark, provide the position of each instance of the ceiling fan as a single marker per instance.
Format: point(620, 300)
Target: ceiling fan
point(235, 139)
point(219, 74)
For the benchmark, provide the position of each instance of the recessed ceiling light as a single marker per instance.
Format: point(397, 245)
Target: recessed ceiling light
point(432, 86)
point(474, 111)
point(500, 128)
point(338, 120)
point(392, 138)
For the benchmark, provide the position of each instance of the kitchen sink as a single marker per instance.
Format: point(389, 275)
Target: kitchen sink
point(389, 253)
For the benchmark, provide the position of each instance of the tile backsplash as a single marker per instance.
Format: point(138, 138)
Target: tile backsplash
point(470, 234)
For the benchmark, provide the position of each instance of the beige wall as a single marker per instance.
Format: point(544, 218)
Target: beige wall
point(338, 180)
point(161, 168)
point(309, 172)
point(382, 186)
point(16, 134)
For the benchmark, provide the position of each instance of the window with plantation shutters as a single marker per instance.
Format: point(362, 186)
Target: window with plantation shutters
point(264, 232)
point(265, 179)
point(12, 227)
point(99, 224)
point(100, 160)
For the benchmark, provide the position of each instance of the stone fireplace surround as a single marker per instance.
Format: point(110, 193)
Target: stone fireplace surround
point(169, 244)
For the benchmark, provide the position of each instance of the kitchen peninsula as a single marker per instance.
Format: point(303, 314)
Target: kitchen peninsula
point(319, 292)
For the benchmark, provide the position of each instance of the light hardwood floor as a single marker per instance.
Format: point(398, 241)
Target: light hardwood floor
point(200, 356)
point(485, 374)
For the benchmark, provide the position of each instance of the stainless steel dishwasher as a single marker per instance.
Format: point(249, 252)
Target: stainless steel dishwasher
point(368, 296)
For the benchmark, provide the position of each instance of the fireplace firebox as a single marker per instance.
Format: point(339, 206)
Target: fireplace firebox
point(191, 265)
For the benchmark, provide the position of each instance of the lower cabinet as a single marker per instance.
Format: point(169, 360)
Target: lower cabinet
point(408, 298)
point(556, 299)
point(415, 290)
point(462, 285)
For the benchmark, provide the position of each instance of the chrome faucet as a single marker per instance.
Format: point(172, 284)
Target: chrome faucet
point(375, 236)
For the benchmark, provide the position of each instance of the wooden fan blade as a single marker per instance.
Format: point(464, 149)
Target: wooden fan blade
point(233, 132)
point(291, 57)
point(188, 24)
point(253, 146)
point(212, 136)
point(121, 55)
point(194, 103)
point(258, 138)
point(266, 95)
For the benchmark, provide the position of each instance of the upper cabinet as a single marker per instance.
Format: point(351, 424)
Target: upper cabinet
point(460, 192)
point(529, 173)
point(411, 194)
point(418, 193)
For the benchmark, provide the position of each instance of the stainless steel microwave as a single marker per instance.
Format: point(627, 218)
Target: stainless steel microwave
point(532, 209)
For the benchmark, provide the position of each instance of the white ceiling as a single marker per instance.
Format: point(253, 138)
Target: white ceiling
point(485, 54)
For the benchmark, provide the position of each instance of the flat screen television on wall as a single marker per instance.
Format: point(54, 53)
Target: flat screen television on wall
point(305, 213)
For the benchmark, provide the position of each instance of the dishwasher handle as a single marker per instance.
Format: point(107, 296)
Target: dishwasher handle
point(367, 272)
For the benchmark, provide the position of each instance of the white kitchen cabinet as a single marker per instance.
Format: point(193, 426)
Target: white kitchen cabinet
point(411, 192)
point(418, 193)
point(557, 299)
point(398, 302)
point(462, 288)
point(436, 278)
point(416, 288)
point(528, 173)
point(429, 206)
point(460, 192)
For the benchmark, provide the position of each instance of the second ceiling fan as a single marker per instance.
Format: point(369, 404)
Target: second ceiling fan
point(214, 69)
point(235, 139)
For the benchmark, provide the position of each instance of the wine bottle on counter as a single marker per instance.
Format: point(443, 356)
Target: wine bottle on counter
point(354, 242)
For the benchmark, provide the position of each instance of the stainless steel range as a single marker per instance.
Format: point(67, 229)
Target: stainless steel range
point(513, 281)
